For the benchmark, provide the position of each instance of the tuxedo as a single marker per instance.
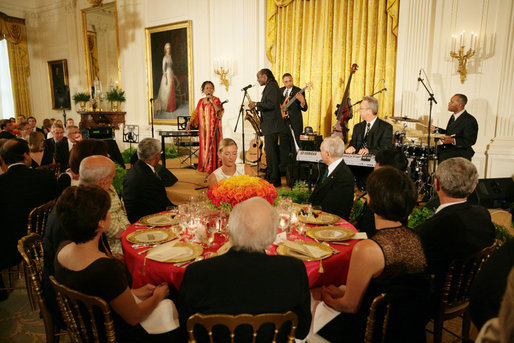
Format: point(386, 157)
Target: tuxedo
point(246, 282)
point(143, 192)
point(272, 126)
point(454, 232)
point(62, 153)
point(465, 129)
point(335, 194)
point(380, 136)
point(23, 189)
point(295, 112)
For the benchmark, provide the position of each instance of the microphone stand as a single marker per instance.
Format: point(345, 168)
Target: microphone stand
point(152, 115)
point(241, 116)
point(358, 102)
point(431, 100)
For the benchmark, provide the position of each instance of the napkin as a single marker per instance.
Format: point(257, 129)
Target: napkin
point(281, 237)
point(168, 251)
point(360, 235)
point(163, 318)
point(164, 219)
point(304, 249)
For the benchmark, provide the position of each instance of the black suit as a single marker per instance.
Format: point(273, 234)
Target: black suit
point(62, 153)
point(272, 125)
point(465, 129)
point(6, 135)
point(380, 136)
point(335, 194)
point(143, 192)
point(295, 112)
point(454, 232)
point(22, 190)
point(242, 282)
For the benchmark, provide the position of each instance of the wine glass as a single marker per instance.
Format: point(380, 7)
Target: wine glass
point(284, 221)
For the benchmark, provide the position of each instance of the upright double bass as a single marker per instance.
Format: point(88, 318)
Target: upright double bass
point(344, 111)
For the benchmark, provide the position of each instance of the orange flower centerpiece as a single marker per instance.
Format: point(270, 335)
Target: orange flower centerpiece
point(227, 193)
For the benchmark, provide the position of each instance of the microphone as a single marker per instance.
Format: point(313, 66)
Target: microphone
point(224, 102)
point(248, 87)
point(419, 79)
point(152, 99)
point(385, 87)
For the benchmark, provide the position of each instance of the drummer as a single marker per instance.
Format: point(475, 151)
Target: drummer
point(373, 133)
point(227, 151)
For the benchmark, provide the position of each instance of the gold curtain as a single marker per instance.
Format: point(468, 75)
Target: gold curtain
point(13, 30)
point(319, 40)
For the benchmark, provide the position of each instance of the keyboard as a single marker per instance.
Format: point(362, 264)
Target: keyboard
point(182, 133)
point(349, 159)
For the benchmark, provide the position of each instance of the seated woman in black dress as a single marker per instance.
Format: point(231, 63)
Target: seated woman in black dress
point(392, 261)
point(83, 212)
point(39, 155)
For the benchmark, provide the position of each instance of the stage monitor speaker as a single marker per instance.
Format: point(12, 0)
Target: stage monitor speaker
point(493, 193)
point(310, 142)
point(101, 132)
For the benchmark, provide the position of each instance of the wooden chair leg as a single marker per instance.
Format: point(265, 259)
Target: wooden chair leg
point(438, 330)
point(466, 324)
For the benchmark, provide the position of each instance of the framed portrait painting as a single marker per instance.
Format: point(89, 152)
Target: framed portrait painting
point(169, 72)
point(59, 85)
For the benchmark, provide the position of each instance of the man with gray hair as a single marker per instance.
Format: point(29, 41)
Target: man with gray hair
point(63, 148)
point(457, 229)
point(245, 279)
point(335, 191)
point(143, 190)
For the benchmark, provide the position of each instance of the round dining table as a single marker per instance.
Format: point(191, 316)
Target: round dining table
point(334, 269)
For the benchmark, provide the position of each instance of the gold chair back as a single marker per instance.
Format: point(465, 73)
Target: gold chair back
point(87, 317)
point(456, 289)
point(31, 250)
point(37, 218)
point(378, 318)
point(231, 322)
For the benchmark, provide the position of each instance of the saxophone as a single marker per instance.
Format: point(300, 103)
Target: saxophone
point(253, 117)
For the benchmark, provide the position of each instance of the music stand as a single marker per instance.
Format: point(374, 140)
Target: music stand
point(182, 126)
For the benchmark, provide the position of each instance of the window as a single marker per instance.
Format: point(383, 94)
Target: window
point(6, 97)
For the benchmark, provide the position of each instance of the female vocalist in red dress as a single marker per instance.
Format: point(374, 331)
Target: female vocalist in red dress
point(205, 115)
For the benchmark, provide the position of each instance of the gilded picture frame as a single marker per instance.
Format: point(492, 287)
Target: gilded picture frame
point(59, 84)
point(169, 57)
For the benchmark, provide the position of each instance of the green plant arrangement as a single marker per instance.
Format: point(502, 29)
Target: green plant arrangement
point(169, 151)
point(127, 154)
point(357, 209)
point(419, 216)
point(299, 193)
point(81, 96)
point(117, 181)
point(502, 234)
point(115, 94)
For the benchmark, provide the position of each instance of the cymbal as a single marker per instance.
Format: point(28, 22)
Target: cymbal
point(436, 135)
point(406, 119)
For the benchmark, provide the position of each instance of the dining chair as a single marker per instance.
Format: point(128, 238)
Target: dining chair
point(31, 250)
point(37, 218)
point(378, 318)
point(88, 318)
point(456, 291)
point(231, 322)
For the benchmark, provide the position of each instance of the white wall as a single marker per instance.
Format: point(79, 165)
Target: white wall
point(425, 28)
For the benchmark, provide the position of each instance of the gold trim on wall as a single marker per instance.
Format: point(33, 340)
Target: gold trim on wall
point(156, 38)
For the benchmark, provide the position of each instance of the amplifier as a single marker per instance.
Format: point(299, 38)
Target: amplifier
point(101, 132)
point(310, 142)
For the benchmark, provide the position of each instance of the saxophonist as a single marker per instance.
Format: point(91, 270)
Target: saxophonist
point(272, 124)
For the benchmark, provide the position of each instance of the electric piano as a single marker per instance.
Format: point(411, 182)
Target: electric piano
point(349, 159)
point(178, 134)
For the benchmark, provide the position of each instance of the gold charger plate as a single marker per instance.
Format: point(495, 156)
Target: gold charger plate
point(331, 233)
point(286, 251)
point(159, 219)
point(150, 236)
point(323, 218)
point(196, 250)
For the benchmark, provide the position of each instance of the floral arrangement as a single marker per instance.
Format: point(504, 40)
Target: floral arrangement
point(115, 94)
point(227, 193)
point(81, 96)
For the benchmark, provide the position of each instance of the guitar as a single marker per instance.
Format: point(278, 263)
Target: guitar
point(254, 153)
point(290, 100)
point(344, 112)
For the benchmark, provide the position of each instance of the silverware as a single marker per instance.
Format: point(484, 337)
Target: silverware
point(334, 250)
point(185, 263)
point(341, 243)
point(142, 245)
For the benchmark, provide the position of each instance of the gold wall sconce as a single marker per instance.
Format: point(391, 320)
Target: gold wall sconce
point(223, 68)
point(462, 57)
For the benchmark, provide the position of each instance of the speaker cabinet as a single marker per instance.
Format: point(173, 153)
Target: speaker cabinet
point(493, 193)
point(305, 171)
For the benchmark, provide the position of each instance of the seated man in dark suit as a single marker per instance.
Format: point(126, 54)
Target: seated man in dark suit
point(245, 279)
point(143, 190)
point(63, 148)
point(58, 136)
point(457, 229)
point(6, 129)
point(335, 191)
point(22, 190)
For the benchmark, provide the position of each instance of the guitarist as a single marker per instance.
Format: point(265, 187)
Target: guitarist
point(295, 110)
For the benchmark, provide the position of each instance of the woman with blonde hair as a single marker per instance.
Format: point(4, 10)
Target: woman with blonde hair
point(39, 155)
point(227, 151)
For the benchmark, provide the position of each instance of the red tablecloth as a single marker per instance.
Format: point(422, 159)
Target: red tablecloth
point(335, 267)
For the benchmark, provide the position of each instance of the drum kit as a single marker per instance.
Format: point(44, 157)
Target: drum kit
point(422, 157)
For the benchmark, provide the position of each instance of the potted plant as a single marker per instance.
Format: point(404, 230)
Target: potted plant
point(81, 98)
point(115, 96)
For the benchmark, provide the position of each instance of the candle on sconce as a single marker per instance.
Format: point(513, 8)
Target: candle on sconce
point(462, 38)
point(454, 42)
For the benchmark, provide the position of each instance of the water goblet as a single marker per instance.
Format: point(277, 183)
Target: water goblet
point(284, 220)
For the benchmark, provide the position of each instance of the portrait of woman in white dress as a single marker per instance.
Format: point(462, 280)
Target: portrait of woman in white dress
point(166, 98)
